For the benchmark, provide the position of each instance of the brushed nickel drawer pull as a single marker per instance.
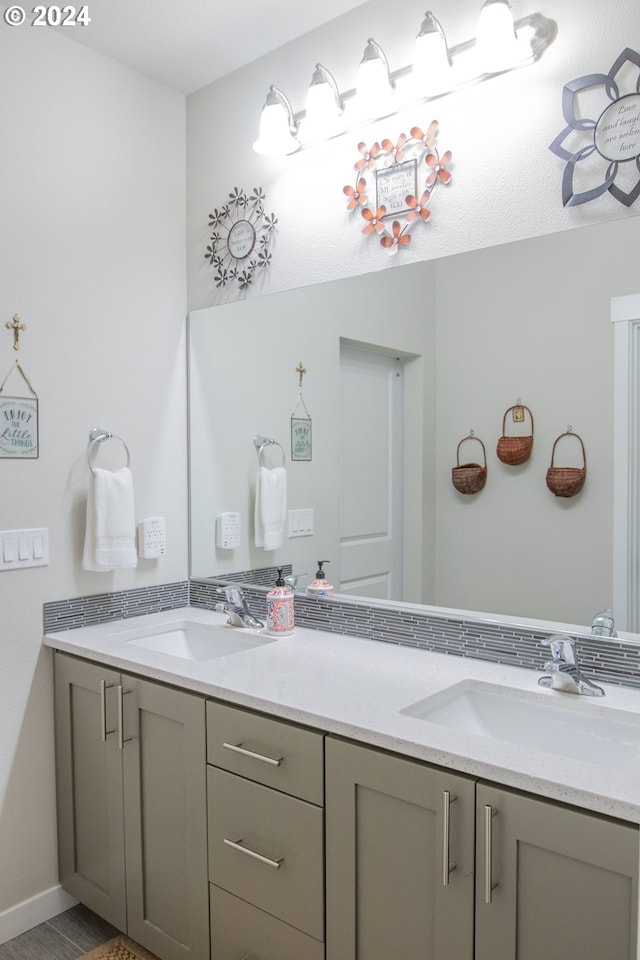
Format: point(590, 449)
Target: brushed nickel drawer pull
point(121, 737)
point(238, 748)
point(447, 799)
point(237, 845)
point(104, 686)
point(489, 884)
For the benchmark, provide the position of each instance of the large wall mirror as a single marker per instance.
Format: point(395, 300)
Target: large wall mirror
point(401, 364)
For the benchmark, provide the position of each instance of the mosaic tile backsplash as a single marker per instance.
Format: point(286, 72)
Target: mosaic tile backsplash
point(103, 607)
point(606, 659)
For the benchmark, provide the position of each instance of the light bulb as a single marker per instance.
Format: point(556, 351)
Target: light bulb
point(322, 117)
point(374, 85)
point(431, 72)
point(496, 39)
point(276, 126)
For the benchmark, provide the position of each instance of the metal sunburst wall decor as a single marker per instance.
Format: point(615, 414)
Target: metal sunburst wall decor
point(601, 142)
point(240, 243)
point(400, 194)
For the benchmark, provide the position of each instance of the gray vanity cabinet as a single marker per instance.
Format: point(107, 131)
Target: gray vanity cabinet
point(131, 790)
point(89, 789)
point(400, 857)
point(314, 842)
point(553, 881)
point(266, 837)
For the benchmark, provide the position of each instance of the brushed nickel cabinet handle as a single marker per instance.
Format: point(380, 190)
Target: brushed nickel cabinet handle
point(237, 845)
point(238, 748)
point(447, 868)
point(104, 686)
point(121, 737)
point(489, 885)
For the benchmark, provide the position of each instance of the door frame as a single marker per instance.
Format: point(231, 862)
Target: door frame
point(625, 315)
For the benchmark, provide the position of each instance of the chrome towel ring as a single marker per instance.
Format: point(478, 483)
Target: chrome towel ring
point(96, 437)
point(260, 443)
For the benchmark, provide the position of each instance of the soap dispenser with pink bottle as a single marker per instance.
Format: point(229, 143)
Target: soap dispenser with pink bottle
point(320, 587)
point(280, 608)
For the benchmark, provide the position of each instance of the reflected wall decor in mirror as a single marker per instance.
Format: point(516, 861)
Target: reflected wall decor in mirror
point(406, 361)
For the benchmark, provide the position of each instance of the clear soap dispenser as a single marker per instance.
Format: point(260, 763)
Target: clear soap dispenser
point(280, 608)
point(320, 587)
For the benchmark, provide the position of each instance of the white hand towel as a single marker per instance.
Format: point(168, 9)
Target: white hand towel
point(110, 534)
point(270, 507)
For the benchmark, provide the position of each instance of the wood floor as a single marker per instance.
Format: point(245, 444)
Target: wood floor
point(65, 937)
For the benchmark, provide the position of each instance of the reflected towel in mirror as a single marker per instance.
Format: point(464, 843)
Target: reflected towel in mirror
point(110, 533)
point(270, 507)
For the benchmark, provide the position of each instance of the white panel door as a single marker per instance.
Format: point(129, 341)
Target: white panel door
point(372, 473)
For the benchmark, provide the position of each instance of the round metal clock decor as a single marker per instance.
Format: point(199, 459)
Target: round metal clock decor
point(241, 236)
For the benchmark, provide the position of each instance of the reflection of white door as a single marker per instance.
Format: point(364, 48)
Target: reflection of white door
point(372, 473)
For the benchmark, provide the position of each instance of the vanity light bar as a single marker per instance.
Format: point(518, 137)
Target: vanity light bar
point(532, 36)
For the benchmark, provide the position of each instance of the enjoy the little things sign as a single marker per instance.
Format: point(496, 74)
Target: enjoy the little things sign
point(18, 422)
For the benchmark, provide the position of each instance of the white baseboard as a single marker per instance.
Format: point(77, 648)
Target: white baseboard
point(36, 910)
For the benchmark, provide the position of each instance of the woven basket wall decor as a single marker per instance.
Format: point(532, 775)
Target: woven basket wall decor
point(567, 481)
point(515, 450)
point(469, 478)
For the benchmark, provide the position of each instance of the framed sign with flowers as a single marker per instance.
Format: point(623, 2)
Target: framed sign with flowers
point(241, 236)
point(401, 176)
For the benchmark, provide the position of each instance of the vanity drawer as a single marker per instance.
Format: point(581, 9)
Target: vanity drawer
point(239, 930)
point(278, 754)
point(283, 873)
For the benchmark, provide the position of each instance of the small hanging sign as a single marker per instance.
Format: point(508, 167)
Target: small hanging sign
point(300, 424)
point(301, 438)
point(18, 421)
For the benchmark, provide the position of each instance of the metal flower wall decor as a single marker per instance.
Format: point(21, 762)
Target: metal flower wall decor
point(604, 151)
point(240, 242)
point(403, 175)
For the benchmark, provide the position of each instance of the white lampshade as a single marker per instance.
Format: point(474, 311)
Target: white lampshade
point(277, 126)
point(431, 72)
point(496, 38)
point(322, 117)
point(374, 85)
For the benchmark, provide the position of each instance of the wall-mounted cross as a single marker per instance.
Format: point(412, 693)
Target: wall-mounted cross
point(16, 326)
point(301, 370)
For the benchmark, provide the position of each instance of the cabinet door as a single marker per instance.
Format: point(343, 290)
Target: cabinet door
point(164, 763)
point(390, 890)
point(566, 881)
point(89, 787)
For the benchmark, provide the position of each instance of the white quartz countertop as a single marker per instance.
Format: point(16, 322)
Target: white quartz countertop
point(357, 688)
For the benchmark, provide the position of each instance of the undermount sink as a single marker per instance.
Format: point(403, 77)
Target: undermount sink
point(534, 720)
point(192, 640)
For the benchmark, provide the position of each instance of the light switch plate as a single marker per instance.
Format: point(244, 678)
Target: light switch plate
point(24, 548)
point(301, 522)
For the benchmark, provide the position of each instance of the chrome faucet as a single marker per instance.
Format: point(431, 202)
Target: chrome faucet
point(563, 672)
point(235, 606)
point(292, 580)
point(603, 624)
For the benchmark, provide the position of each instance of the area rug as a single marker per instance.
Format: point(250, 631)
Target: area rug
point(120, 948)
